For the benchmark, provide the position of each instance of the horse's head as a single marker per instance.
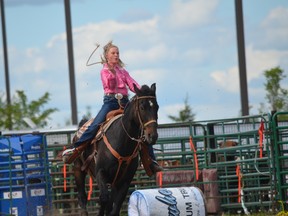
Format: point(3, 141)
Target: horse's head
point(147, 111)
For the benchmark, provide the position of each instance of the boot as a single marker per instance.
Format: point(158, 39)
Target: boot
point(155, 167)
point(71, 154)
point(148, 160)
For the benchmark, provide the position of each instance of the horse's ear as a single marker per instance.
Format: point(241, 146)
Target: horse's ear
point(136, 88)
point(153, 87)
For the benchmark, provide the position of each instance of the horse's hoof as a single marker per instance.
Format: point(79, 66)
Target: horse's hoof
point(84, 213)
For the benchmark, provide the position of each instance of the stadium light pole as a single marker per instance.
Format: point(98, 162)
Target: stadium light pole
point(6, 67)
point(241, 58)
point(5, 54)
point(71, 63)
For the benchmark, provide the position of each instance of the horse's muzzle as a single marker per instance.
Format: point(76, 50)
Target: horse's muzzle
point(151, 138)
point(151, 134)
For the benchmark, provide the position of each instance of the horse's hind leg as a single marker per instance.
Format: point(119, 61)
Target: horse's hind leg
point(80, 185)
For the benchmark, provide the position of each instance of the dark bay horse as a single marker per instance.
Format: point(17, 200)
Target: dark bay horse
point(116, 159)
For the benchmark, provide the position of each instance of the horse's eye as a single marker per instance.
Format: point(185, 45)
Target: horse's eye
point(142, 107)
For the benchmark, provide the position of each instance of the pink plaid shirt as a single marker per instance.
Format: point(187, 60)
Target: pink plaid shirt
point(119, 83)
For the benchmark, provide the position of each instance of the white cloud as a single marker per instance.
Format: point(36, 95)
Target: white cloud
point(29, 61)
point(257, 61)
point(260, 60)
point(104, 31)
point(59, 38)
point(228, 80)
point(86, 37)
point(148, 55)
point(148, 76)
point(278, 17)
point(275, 26)
point(191, 13)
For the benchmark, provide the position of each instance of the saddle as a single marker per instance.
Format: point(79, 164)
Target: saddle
point(110, 118)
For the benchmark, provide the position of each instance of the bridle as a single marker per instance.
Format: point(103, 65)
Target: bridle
point(142, 125)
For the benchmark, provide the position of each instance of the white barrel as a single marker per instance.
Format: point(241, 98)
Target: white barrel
point(167, 201)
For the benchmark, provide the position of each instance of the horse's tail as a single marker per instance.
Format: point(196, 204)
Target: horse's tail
point(83, 121)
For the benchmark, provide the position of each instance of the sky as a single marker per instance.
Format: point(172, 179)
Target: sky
point(187, 47)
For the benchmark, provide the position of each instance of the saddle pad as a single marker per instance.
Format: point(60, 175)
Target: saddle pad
point(105, 126)
point(84, 127)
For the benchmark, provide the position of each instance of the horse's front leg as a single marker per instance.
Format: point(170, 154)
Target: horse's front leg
point(120, 190)
point(104, 195)
point(80, 185)
point(118, 195)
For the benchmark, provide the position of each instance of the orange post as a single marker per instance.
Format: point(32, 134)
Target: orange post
point(192, 147)
point(238, 173)
point(64, 174)
point(160, 178)
point(90, 188)
point(260, 132)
